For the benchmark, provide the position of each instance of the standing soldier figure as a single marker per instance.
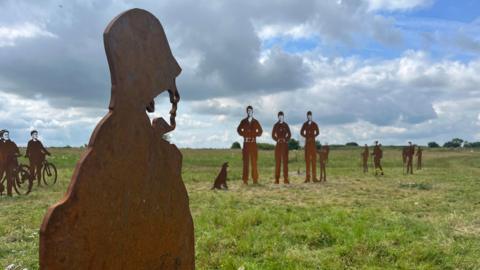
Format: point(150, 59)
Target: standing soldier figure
point(249, 128)
point(3, 159)
point(281, 134)
point(419, 158)
point(409, 153)
point(365, 155)
point(327, 150)
point(377, 157)
point(36, 155)
point(323, 157)
point(310, 131)
point(11, 153)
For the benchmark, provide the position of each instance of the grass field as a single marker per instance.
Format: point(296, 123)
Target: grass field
point(430, 220)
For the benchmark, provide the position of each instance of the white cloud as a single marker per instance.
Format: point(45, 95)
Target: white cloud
point(392, 5)
point(9, 35)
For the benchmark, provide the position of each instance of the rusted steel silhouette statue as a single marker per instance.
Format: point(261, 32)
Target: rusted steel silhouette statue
point(323, 157)
point(221, 180)
point(126, 206)
point(327, 150)
point(365, 155)
point(36, 155)
point(409, 152)
point(9, 152)
point(377, 158)
point(281, 134)
point(3, 161)
point(249, 128)
point(310, 131)
point(419, 155)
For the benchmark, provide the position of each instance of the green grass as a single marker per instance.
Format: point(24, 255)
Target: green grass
point(430, 220)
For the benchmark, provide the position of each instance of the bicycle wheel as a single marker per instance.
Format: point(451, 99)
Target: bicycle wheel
point(49, 173)
point(23, 182)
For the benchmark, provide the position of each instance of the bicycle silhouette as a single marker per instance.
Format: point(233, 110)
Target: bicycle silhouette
point(49, 173)
point(22, 180)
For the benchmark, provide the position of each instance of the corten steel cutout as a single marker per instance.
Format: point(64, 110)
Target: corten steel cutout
point(2, 161)
point(36, 156)
point(281, 134)
point(377, 158)
point(365, 155)
point(323, 158)
point(410, 152)
point(126, 206)
point(310, 131)
point(221, 180)
point(249, 128)
point(419, 155)
point(9, 153)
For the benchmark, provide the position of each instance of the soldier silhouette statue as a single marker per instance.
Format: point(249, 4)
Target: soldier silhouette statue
point(281, 134)
point(377, 158)
point(365, 155)
point(127, 206)
point(310, 131)
point(419, 155)
point(249, 128)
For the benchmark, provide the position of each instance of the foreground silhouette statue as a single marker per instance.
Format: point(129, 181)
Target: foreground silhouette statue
point(310, 131)
point(249, 128)
point(281, 134)
point(126, 206)
point(221, 180)
point(365, 155)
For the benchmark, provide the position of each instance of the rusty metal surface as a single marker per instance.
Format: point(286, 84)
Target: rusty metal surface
point(127, 206)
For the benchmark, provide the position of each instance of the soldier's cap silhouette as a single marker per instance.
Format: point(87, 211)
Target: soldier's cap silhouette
point(280, 113)
point(149, 69)
point(33, 131)
point(309, 113)
point(249, 107)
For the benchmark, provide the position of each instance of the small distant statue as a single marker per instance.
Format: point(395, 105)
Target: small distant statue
point(310, 131)
point(326, 147)
point(249, 128)
point(419, 158)
point(9, 153)
point(281, 134)
point(221, 180)
point(409, 153)
point(36, 155)
point(323, 157)
point(377, 158)
point(365, 155)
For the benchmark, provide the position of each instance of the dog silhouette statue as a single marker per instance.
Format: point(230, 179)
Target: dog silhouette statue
point(221, 180)
point(127, 206)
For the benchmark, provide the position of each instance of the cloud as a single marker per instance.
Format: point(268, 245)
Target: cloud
point(394, 5)
point(9, 35)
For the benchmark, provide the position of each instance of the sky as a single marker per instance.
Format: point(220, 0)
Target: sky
point(387, 70)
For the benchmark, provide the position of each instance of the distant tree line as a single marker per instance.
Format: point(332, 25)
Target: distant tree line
point(295, 144)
